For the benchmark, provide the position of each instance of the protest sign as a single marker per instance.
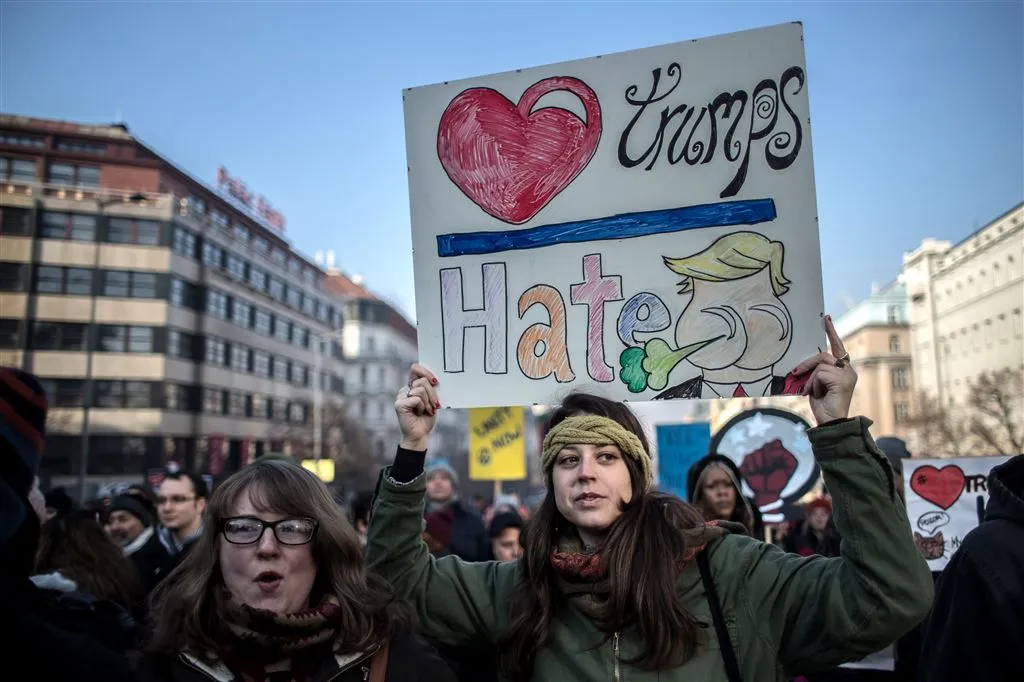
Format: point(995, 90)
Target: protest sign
point(643, 224)
point(497, 444)
point(679, 446)
point(946, 499)
point(774, 455)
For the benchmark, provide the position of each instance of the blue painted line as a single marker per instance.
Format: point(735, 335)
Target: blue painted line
point(622, 226)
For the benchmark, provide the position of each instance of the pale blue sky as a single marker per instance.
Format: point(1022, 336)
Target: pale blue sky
point(918, 107)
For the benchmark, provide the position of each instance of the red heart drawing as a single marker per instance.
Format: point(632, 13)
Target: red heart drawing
point(509, 160)
point(941, 487)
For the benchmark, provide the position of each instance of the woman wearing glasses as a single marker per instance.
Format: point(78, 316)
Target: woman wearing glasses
point(275, 588)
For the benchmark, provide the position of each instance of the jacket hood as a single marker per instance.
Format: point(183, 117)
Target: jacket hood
point(1006, 491)
point(697, 470)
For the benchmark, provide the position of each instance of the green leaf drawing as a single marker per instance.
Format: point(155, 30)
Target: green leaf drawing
point(632, 373)
point(661, 359)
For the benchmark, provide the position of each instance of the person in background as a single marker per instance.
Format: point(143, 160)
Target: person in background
point(181, 501)
point(58, 503)
point(504, 532)
point(468, 537)
point(144, 494)
point(276, 588)
point(359, 514)
point(818, 534)
point(714, 483)
point(130, 525)
point(976, 628)
point(29, 627)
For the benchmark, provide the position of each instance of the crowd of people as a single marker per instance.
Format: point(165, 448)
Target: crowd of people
point(267, 579)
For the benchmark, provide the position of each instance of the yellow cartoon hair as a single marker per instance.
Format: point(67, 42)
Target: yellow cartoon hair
point(732, 257)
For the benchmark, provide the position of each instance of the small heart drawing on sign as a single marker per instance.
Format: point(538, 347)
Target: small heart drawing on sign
point(512, 161)
point(942, 487)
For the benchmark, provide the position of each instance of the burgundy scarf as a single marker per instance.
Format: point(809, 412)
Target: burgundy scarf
point(258, 639)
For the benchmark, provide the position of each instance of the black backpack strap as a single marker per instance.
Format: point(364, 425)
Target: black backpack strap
point(732, 666)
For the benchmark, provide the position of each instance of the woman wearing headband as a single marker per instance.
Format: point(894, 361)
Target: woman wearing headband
point(618, 582)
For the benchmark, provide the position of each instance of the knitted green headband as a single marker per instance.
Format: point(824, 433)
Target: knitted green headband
point(589, 429)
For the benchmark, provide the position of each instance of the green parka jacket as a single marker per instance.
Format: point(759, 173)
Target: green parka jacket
point(785, 614)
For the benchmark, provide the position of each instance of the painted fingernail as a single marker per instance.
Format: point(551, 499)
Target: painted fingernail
point(433, 381)
point(437, 404)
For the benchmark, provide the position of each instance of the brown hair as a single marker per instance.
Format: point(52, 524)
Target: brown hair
point(641, 556)
point(78, 547)
point(186, 604)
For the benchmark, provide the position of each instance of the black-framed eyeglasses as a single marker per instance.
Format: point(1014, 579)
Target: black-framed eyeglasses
point(245, 530)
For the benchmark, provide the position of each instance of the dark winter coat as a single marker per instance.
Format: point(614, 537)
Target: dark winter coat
point(152, 561)
point(976, 629)
point(410, 659)
point(468, 535)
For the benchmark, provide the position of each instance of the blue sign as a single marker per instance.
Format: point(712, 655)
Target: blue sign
point(679, 446)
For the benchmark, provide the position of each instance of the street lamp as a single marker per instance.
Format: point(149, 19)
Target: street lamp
point(90, 336)
point(318, 398)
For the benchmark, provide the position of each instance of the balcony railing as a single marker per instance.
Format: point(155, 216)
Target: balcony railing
point(98, 196)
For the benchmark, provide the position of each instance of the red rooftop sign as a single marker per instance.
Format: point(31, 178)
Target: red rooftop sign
point(257, 203)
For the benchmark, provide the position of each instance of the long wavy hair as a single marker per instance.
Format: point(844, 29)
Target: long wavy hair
point(75, 545)
point(188, 609)
point(641, 556)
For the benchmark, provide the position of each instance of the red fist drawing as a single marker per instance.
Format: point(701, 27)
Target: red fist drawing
point(767, 470)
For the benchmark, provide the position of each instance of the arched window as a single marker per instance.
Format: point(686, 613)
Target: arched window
point(894, 344)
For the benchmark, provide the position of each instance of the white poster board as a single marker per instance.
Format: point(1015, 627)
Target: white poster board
point(946, 499)
point(642, 225)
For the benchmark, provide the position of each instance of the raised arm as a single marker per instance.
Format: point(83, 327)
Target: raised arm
point(457, 602)
point(819, 612)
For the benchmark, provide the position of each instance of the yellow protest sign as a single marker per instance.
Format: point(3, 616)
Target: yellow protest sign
point(497, 447)
point(325, 472)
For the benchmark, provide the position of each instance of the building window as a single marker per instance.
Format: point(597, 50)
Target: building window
point(140, 339)
point(282, 329)
point(294, 298)
point(181, 344)
point(18, 171)
point(260, 364)
point(901, 412)
point(276, 289)
point(73, 175)
point(258, 409)
point(261, 245)
point(261, 321)
point(216, 304)
point(15, 222)
point(213, 255)
point(241, 313)
point(257, 278)
point(131, 231)
point(213, 400)
point(12, 277)
point(236, 266)
point(74, 226)
point(109, 394)
point(241, 234)
point(298, 374)
point(183, 294)
point(894, 344)
point(278, 256)
point(64, 393)
point(54, 280)
point(79, 281)
point(238, 405)
point(219, 219)
point(239, 358)
point(58, 336)
point(279, 409)
point(178, 397)
point(300, 336)
point(20, 140)
point(184, 243)
point(280, 369)
point(117, 284)
point(297, 413)
point(81, 147)
point(216, 352)
point(10, 334)
point(900, 378)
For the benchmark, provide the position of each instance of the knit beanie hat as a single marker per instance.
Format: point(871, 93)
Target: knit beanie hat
point(23, 409)
point(60, 501)
point(130, 504)
point(442, 465)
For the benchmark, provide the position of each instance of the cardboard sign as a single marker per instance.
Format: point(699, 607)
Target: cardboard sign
point(679, 446)
point(774, 455)
point(946, 499)
point(643, 224)
point(497, 444)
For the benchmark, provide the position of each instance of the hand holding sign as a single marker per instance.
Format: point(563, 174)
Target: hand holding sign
point(832, 379)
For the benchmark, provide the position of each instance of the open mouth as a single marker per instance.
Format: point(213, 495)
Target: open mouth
point(268, 578)
point(589, 497)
